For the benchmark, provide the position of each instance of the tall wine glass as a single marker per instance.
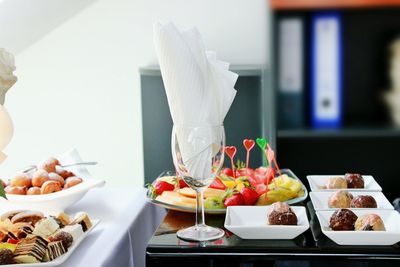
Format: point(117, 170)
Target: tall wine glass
point(198, 154)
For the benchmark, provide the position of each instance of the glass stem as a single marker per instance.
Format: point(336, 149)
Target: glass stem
point(200, 208)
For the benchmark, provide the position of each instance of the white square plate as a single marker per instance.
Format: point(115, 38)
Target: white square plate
point(320, 199)
point(391, 219)
point(60, 260)
point(318, 181)
point(251, 222)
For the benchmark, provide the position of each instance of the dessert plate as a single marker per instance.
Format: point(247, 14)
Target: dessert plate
point(60, 260)
point(317, 182)
point(251, 222)
point(320, 199)
point(58, 201)
point(391, 236)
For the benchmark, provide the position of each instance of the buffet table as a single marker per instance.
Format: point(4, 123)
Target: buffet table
point(312, 248)
point(127, 222)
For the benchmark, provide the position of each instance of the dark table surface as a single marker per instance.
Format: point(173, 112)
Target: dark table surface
point(309, 249)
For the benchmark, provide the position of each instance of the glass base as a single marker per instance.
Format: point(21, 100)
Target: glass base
point(200, 233)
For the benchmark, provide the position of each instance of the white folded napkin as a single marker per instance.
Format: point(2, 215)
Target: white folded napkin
point(200, 90)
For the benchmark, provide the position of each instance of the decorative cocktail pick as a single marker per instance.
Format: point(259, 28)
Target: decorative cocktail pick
point(248, 144)
point(271, 156)
point(262, 142)
point(231, 152)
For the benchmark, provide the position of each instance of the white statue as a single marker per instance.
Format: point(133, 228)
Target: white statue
point(7, 80)
point(392, 97)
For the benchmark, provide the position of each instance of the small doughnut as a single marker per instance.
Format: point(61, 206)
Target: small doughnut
point(39, 177)
point(50, 164)
point(33, 191)
point(50, 187)
point(21, 179)
point(72, 181)
point(56, 177)
point(15, 190)
point(63, 172)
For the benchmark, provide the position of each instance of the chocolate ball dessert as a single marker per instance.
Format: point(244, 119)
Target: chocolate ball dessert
point(369, 222)
point(340, 200)
point(342, 220)
point(281, 214)
point(354, 180)
point(363, 202)
point(6, 256)
point(336, 183)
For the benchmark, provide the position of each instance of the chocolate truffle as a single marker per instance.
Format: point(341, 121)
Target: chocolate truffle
point(65, 237)
point(336, 183)
point(369, 222)
point(363, 202)
point(6, 256)
point(354, 180)
point(342, 220)
point(281, 214)
point(340, 199)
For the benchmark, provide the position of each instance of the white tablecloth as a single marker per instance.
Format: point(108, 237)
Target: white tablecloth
point(127, 222)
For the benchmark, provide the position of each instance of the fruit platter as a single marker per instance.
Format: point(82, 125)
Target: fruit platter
point(237, 185)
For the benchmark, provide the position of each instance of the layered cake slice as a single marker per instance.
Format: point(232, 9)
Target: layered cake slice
point(83, 219)
point(54, 250)
point(30, 250)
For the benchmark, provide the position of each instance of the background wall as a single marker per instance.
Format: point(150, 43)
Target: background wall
point(78, 72)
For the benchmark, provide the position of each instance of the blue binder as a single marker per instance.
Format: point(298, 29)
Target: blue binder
point(326, 70)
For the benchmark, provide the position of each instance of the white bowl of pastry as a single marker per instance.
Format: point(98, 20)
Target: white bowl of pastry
point(48, 194)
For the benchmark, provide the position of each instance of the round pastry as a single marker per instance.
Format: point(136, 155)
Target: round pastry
point(369, 222)
point(63, 172)
point(336, 183)
point(340, 199)
point(21, 179)
point(40, 177)
point(281, 214)
point(27, 216)
point(65, 237)
point(72, 181)
point(50, 187)
point(363, 202)
point(15, 190)
point(33, 191)
point(6, 256)
point(50, 164)
point(354, 180)
point(56, 177)
point(342, 220)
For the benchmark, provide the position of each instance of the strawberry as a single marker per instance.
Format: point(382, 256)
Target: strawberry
point(161, 186)
point(227, 172)
point(182, 183)
point(250, 196)
point(235, 199)
point(217, 184)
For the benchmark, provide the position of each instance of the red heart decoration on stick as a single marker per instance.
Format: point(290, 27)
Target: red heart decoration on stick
point(230, 151)
point(249, 143)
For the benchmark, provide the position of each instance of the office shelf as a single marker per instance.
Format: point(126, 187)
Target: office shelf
point(340, 133)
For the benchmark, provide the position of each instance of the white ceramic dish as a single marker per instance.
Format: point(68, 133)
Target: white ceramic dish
point(317, 182)
point(391, 236)
point(251, 222)
point(60, 260)
point(320, 199)
point(59, 201)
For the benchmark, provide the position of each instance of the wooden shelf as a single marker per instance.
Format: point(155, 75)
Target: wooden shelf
point(331, 4)
point(341, 133)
